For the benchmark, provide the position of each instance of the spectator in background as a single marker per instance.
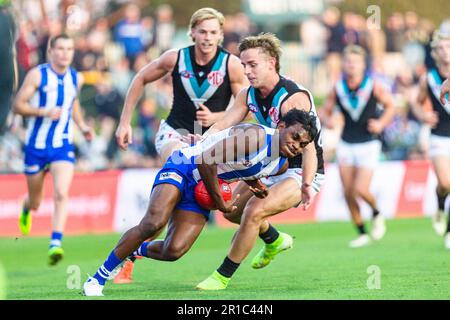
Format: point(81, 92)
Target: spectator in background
point(395, 32)
point(231, 37)
point(129, 32)
point(313, 37)
point(335, 42)
point(8, 73)
point(27, 44)
point(401, 138)
point(164, 28)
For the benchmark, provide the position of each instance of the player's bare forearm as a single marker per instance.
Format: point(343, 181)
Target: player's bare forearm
point(134, 93)
point(232, 116)
point(77, 116)
point(309, 166)
point(386, 99)
point(208, 173)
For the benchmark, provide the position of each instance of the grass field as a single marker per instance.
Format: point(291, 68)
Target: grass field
point(411, 258)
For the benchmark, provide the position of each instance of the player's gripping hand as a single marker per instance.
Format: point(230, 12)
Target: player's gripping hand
point(375, 126)
point(205, 116)
point(88, 133)
point(258, 188)
point(431, 118)
point(228, 206)
point(124, 135)
point(307, 195)
point(53, 113)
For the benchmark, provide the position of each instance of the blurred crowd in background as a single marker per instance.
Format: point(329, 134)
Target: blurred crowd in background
point(115, 39)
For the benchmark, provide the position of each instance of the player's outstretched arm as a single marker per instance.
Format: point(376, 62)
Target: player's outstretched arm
point(422, 100)
point(376, 126)
point(242, 142)
point(326, 112)
point(151, 72)
point(87, 131)
point(233, 115)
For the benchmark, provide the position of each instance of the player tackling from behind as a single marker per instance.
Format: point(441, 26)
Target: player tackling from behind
point(439, 120)
point(269, 97)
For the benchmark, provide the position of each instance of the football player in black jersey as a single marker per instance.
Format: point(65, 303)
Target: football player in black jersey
point(357, 95)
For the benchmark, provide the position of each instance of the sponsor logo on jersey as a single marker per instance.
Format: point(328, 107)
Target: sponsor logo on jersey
point(215, 78)
point(187, 74)
point(226, 188)
point(71, 154)
point(171, 175)
point(253, 108)
point(274, 114)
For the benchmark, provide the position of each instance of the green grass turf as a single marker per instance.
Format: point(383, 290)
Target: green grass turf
point(411, 257)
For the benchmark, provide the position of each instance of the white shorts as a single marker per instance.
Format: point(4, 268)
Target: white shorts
point(439, 146)
point(166, 134)
point(296, 174)
point(362, 155)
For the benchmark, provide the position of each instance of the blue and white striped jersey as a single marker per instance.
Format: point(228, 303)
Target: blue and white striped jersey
point(55, 90)
point(259, 164)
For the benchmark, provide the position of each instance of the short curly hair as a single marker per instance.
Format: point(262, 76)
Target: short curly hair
point(308, 120)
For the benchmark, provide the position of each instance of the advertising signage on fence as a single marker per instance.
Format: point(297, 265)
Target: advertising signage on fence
point(114, 201)
point(281, 11)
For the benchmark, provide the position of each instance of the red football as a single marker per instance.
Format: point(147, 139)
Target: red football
point(204, 199)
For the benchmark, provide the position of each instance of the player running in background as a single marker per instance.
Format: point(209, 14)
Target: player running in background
point(243, 152)
point(204, 77)
point(357, 95)
point(48, 98)
point(269, 98)
point(439, 120)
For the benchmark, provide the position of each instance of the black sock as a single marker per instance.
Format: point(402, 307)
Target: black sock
point(375, 213)
point(270, 235)
point(361, 229)
point(228, 267)
point(441, 200)
point(132, 259)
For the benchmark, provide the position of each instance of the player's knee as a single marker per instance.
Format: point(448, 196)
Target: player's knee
point(361, 192)
point(149, 227)
point(253, 214)
point(173, 252)
point(349, 194)
point(60, 196)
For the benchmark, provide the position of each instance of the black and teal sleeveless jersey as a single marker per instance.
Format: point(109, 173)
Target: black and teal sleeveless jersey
point(267, 112)
point(193, 84)
point(434, 82)
point(358, 106)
